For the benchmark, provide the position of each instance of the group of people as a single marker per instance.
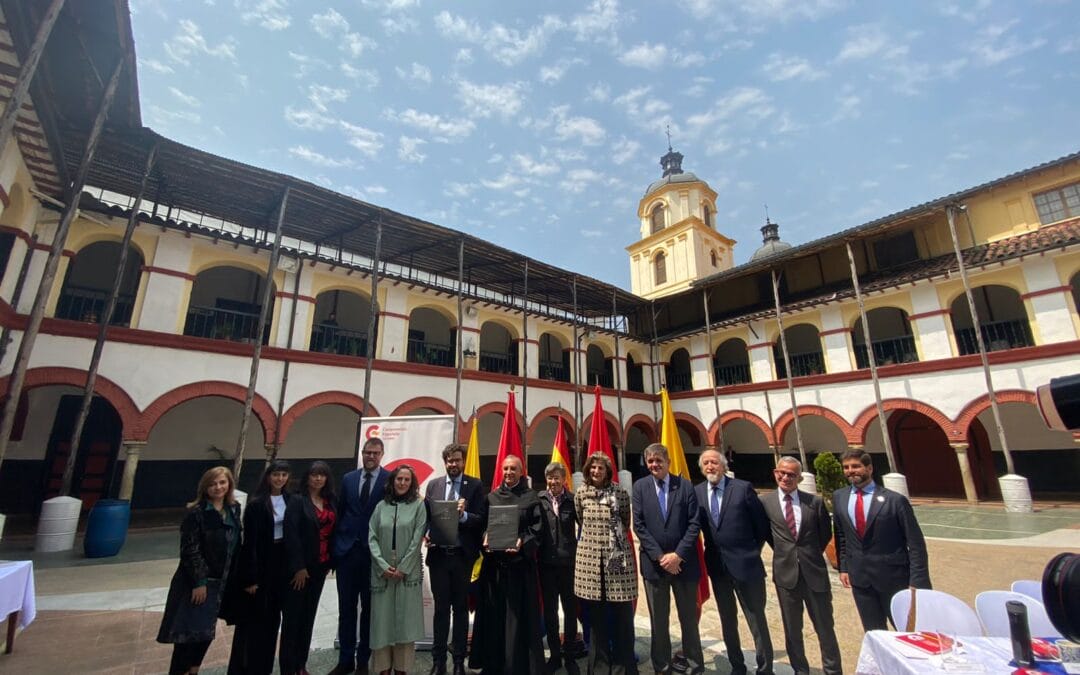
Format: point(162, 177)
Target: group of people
point(573, 550)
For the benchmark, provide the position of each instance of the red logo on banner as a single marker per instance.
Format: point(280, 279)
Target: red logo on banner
point(422, 469)
point(372, 431)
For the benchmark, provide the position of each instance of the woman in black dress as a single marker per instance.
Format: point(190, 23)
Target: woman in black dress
point(260, 575)
point(209, 538)
point(309, 524)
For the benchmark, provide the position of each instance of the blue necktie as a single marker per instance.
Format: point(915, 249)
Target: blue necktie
point(662, 498)
point(714, 506)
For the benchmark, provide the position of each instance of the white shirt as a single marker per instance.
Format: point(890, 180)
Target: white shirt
point(794, 507)
point(278, 502)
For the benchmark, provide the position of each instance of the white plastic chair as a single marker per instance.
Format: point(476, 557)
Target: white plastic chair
point(990, 606)
point(935, 611)
point(1029, 587)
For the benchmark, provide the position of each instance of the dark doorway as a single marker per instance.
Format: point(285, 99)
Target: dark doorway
point(97, 451)
point(924, 455)
point(980, 454)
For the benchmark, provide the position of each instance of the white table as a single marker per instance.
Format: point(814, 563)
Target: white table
point(883, 654)
point(17, 597)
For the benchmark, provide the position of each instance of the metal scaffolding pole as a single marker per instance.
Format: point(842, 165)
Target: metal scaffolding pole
point(48, 275)
point(525, 366)
point(873, 364)
point(288, 362)
point(787, 373)
point(654, 356)
point(16, 293)
point(26, 72)
point(712, 375)
point(103, 327)
point(573, 378)
point(260, 329)
point(618, 379)
point(372, 318)
point(460, 335)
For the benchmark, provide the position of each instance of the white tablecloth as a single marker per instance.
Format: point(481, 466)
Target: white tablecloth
point(17, 591)
point(883, 654)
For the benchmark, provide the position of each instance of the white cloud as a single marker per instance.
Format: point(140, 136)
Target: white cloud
point(508, 46)
point(463, 56)
point(578, 180)
point(163, 116)
point(306, 64)
point(597, 23)
point(748, 103)
point(586, 130)
point(307, 119)
point(415, 73)
point(189, 41)
point(321, 95)
point(763, 10)
point(270, 14)
point(395, 25)
point(186, 99)
point(644, 110)
point(624, 149)
point(365, 77)
point(458, 190)
point(365, 140)
point(409, 149)
point(864, 42)
point(441, 129)
point(645, 55)
point(490, 100)
point(847, 107)
point(390, 5)
point(156, 66)
point(994, 44)
point(531, 167)
point(503, 182)
point(780, 68)
point(555, 72)
point(593, 234)
point(318, 159)
point(333, 26)
point(599, 92)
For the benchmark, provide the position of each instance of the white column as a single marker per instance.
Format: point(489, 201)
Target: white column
point(700, 362)
point(393, 324)
point(168, 289)
point(132, 451)
point(835, 341)
point(1049, 301)
point(760, 353)
point(930, 323)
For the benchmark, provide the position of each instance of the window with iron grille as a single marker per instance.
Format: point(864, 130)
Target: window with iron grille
point(1058, 204)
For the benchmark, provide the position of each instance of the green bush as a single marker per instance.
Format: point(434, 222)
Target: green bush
point(830, 476)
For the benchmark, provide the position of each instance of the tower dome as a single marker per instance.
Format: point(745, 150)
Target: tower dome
point(770, 233)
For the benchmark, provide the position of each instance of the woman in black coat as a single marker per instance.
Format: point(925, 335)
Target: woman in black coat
point(309, 525)
point(261, 575)
point(209, 539)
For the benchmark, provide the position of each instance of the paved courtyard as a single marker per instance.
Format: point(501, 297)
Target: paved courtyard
point(103, 614)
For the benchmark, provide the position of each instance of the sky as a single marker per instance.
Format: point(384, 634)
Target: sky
point(538, 125)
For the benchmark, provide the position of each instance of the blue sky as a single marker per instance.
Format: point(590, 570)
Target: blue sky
point(537, 126)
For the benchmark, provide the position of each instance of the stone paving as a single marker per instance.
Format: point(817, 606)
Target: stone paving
point(101, 616)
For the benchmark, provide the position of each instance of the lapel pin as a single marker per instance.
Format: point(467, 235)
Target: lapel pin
point(881, 498)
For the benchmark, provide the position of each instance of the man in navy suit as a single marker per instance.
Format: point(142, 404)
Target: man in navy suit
point(735, 527)
point(451, 566)
point(878, 541)
point(361, 490)
point(666, 524)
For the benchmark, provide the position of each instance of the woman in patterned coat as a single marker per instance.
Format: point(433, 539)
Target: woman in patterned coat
point(605, 577)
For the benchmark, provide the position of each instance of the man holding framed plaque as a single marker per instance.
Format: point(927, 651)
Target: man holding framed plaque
point(455, 515)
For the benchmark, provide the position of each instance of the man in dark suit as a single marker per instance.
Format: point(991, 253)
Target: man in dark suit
point(558, 548)
point(878, 541)
point(801, 529)
point(735, 527)
point(666, 524)
point(451, 566)
point(361, 490)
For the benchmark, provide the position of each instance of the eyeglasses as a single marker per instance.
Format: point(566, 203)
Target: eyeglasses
point(785, 474)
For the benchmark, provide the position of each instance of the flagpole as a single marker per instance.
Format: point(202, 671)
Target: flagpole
point(712, 374)
point(618, 378)
point(574, 376)
point(525, 365)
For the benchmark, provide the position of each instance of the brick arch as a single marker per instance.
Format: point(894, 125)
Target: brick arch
point(976, 407)
point(103, 386)
point(694, 422)
point(92, 237)
point(851, 435)
point(496, 407)
point(342, 398)
point(646, 424)
point(613, 425)
point(546, 413)
point(733, 415)
point(170, 399)
point(862, 422)
point(438, 405)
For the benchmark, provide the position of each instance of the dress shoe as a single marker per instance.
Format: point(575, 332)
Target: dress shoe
point(554, 663)
point(342, 669)
point(459, 668)
point(438, 669)
point(572, 667)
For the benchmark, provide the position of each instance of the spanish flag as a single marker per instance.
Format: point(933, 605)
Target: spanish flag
point(560, 453)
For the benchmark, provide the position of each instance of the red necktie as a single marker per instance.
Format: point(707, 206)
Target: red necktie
point(860, 517)
point(789, 516)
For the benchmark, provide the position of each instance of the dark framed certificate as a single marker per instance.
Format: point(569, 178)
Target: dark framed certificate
point(502, 531)
point(443, 528)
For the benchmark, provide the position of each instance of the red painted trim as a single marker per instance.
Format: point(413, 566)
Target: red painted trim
point(645, 424)
point(45, 247)
point(394, 315)
point(4, 197)
point(785, 420)
point(697, 357)
point(19, 234)
point(1046, 291)
point(834, 331)
point(975, 407)
point(290, 296)
point(735, 415)
point(552, 413)
point(342, 398)
point(927, 315)
point(470, 329)
point(759, 345)
point(861, 426)
point(167, 272)
point(116, 396)
point(612, 423)
point(169, 400)
point(529, 341)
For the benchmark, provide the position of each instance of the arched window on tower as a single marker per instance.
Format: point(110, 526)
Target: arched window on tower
point(708, 215)
point(657, 218)
point(712, 257)
point(660, 268)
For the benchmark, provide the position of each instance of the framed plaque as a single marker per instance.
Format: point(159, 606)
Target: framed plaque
point(443, 528)
point(502, 531)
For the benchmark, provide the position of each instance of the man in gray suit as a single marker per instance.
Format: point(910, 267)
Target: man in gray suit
point(878, 541)
point(800, 531)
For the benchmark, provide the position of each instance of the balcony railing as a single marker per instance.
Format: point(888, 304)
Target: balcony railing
point(553, 370)
point(603, 378)
point(802, 364)
point(497, 362)
point(888, 351)
point(734, 374)
point(635, 379)
point(679, 382)
point(224, 324)
point(430, 353)
point(331, 339)
point(996, 336)
point(88, 304)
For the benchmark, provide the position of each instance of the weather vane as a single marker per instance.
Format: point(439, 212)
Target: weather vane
point(668, 131)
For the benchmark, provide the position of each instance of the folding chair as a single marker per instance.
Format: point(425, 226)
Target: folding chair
point(1029, 587)
point(933, 611)
point(990, 606)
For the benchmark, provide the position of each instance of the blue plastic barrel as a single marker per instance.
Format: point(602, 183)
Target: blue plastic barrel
point(106, 527)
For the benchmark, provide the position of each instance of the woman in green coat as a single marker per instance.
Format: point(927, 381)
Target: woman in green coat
point(397, 607)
